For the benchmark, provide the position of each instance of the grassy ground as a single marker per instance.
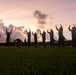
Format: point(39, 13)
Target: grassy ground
point(37, 61)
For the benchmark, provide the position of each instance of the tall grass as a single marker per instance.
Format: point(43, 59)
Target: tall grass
point(37, 61)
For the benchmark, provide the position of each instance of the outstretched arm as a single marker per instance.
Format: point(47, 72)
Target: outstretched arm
point(57, 28)
point(32, 33)
point(69, 28)
point(40, 33)
point(11, 31)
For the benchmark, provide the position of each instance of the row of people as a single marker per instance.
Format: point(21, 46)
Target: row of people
point(51, 33)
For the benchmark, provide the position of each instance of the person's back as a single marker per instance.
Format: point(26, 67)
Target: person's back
point(60, 32)
point(73, 32)
point(35, 37)
point(52, 35)
point(61, 37)
point(29, 38)
point(8, 36)
point(29, 35)
point(43, 38)
point(44, 35)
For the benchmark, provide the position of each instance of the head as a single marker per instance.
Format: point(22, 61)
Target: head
point(73, 28)
point(73, 25)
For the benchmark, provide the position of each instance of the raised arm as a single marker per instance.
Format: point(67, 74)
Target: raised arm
point(32, 33)
point(40, 33)
point(69, 28)
point(11, 31)
point(56, 28)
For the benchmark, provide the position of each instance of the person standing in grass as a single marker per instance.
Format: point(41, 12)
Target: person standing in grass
point(61, 37)
point(8, 37)
point(29, 37)
point(43, 38)
point(51, 33)
point(35, 39)
point(25, 42)
point(73, 33)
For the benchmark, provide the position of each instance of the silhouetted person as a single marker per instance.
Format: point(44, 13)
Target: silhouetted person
point(61, 37)
point(43, 38)
point(18, 42)
point(35, 39)
point(0, 35)
point(25, 42)
point(29, 37)
point(73, 33)
point(51, 33)
point(8, 37)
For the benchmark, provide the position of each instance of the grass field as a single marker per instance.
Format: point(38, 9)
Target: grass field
point(37, 61)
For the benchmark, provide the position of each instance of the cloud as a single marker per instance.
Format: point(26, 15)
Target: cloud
point(16, 33)
point(41, 17)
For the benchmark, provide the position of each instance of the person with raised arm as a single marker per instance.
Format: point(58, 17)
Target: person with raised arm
point(51, 33)
point(8, 37)
point(73, 33)
point(35, 39)
point(61, 37)
point(29, 37)
point(43, 38)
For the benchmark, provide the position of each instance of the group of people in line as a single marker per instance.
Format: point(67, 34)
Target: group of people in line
point(61, 37)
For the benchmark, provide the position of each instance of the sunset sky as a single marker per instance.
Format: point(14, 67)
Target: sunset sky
point(21, 13)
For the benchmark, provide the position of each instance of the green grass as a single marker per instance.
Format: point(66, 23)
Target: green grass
point(37, 61)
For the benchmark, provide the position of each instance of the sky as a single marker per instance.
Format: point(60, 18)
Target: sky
point(49, 13)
